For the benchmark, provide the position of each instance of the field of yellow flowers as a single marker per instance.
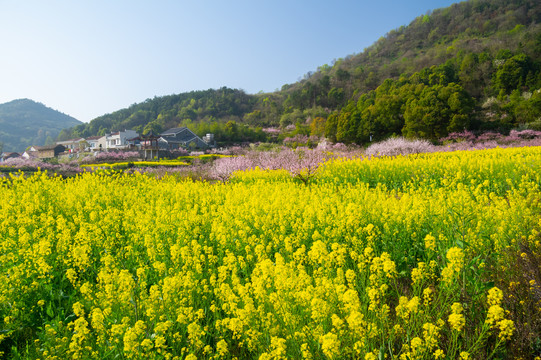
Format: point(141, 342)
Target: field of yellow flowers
point(430, 256)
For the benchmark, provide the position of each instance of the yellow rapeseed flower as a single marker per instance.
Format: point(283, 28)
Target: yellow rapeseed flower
point(456, 319)
point(495, 296)
point(330, 345)
point(430, 242)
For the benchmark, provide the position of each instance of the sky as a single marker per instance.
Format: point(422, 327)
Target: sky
point(90, 58)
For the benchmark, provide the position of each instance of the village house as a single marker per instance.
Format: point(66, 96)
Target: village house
point(181, 138)
point(47, 151)
point(119, 140)
point(73, 145)
point(96, 143)
point(8, 155)
point(30, 153)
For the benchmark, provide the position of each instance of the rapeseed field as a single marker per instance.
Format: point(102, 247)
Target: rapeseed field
point(429, 256)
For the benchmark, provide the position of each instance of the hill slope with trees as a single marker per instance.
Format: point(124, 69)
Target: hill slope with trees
point(25, 122)
point(475, 65)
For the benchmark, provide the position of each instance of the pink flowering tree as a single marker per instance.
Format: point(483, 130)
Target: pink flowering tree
point(117, 155)
point(223, 168)
point(35, 164)
point(301, 140)
point(469, 141)
point(399, 146)
point(466, 135)
point(302, 164)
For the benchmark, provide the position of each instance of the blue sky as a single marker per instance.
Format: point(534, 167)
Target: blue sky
point(89, 58)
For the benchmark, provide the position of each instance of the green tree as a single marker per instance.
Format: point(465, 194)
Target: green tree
point(291, 118)
point(461, 105)
point(525, 108)
point(335, 96)
point(513, 73)
point(153, 126)
point(253, 118)
point(469, 74)
point(437, 111)
point(423, 115)
point(317, 126)
point(381, 119)
point(347, 125)
point(331, 126)
point(231, 130)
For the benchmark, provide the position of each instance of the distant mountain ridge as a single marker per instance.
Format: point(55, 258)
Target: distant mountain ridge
point(24, 122)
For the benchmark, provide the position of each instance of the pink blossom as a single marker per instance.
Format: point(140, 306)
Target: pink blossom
point(466, 135)
point(223, 168)
point(271, 131)
point(35, 164)
point(399, 146)
point(302, 163)
point(117, 155)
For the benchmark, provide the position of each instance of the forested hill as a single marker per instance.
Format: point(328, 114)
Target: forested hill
point(474, 65)
point(208, 111)
point(25, 122)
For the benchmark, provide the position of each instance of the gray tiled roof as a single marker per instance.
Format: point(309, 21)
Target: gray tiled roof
point(173, 131)
point(179, 135)
point(48, 147)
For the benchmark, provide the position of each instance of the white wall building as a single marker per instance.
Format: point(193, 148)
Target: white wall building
point(94, 143)
point(119, 139)
point(72, 145)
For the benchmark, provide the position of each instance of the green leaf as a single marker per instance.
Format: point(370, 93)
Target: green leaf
point(49, 310)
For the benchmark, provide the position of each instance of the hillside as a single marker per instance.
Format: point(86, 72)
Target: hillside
point(475, 65)
point(218, 110)
point(25, 122)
